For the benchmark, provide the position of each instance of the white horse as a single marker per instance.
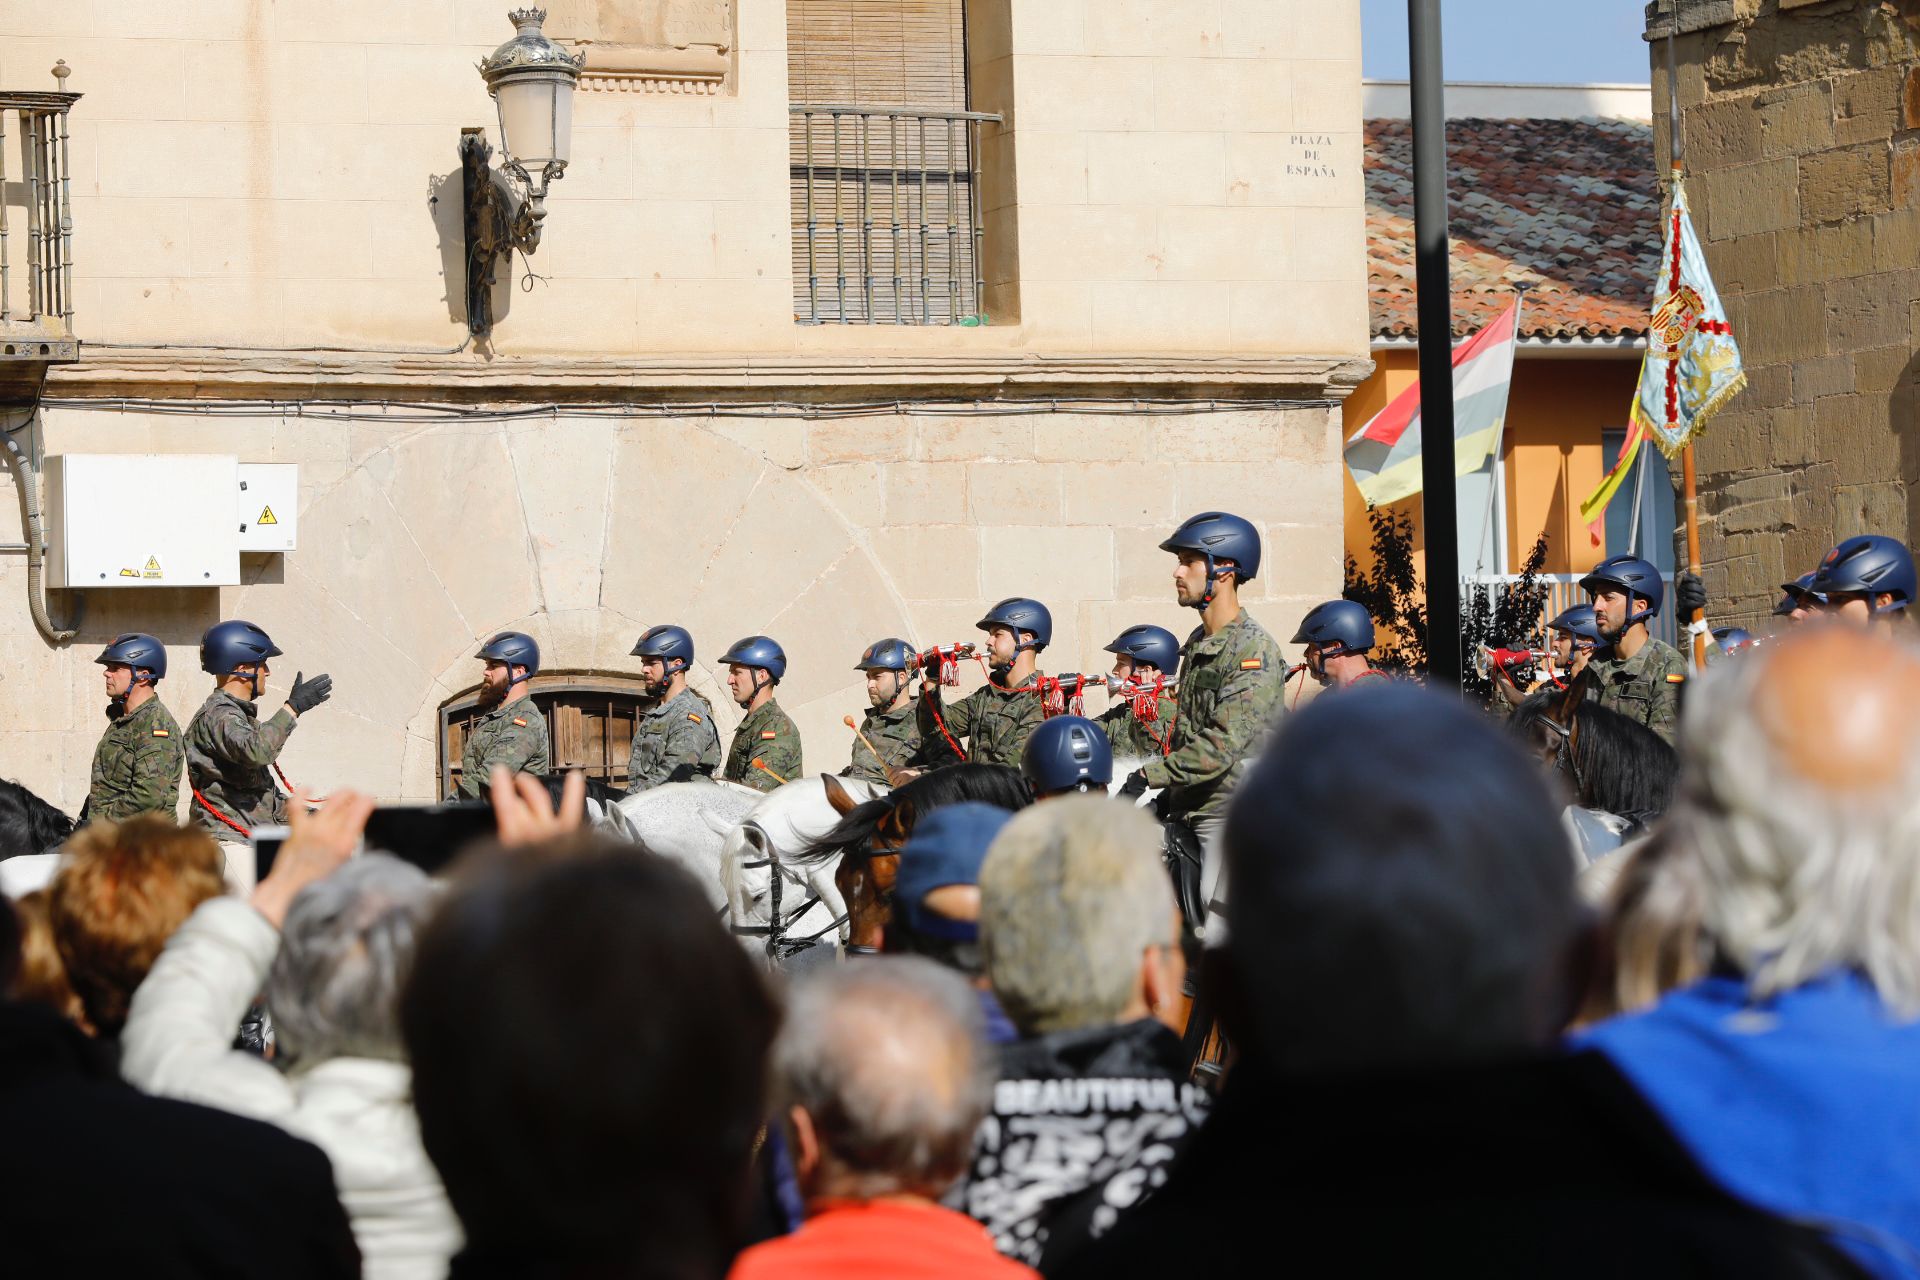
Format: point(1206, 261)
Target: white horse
point(731, 839)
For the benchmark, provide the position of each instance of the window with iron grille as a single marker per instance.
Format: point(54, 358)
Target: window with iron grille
point(884, 163)
point(590, 723)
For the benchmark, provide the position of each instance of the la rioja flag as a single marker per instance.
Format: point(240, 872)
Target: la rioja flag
point(1384, 455)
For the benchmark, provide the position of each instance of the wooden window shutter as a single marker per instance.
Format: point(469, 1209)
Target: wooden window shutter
point(878, 53)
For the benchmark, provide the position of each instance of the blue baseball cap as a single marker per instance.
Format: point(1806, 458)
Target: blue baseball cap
point(947, 847)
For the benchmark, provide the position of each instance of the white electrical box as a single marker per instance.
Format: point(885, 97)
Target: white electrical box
point(269, 506)
point(143, 520)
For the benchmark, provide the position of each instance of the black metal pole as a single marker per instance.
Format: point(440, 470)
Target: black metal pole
point(1439, 497)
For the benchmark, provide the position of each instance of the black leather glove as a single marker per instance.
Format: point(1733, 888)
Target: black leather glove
point(308, 694)
point(1689, 594)
point(1135, 785)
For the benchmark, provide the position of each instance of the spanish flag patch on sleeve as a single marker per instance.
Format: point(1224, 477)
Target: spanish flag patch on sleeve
point(768, 735)
point(161, 733)
point(694, 716)
point(518, 721)
point(1676, 679)
point(1251, 664)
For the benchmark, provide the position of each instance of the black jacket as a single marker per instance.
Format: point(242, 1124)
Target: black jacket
point(1085, 1124)
point(1544, 1167)
point(101, 1180)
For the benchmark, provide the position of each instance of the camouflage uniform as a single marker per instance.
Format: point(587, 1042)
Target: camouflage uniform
point(136, 767)
point(993, 722)
point(676, 732)
point(766, 735)
point(229, 754)
point(513, 734)
point(896, 733)
point(1644, 688)
point(1232, 686)
point(1135, 739)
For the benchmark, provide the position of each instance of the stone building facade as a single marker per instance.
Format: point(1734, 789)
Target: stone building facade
point(268, 263)
point(1801, 144)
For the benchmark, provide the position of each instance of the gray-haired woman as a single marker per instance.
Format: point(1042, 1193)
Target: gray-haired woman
point(330, 951)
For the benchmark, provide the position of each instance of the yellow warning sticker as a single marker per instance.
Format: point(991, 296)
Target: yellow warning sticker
point(129, 573)
point(267, 516)
point(153, 568)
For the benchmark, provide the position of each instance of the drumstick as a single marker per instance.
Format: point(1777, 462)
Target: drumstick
point(886, 768)
point(854, 725)
point(761, 765)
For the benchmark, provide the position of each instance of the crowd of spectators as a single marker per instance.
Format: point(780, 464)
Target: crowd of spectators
point(1432, 1052)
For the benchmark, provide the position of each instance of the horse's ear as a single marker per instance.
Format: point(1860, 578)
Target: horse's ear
point(837, 796)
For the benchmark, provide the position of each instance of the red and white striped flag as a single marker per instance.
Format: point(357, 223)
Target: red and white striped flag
point(1384, 455)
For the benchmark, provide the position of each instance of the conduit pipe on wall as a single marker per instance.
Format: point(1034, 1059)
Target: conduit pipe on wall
point(27, 478)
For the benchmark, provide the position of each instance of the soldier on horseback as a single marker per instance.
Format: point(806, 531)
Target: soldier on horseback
point(1066, 755)
point(136, 767)
point(996, 718)
point(888, 739)
point(674, 739)
point(1145, 658)
point(1338, 636)
point(766, 744)
point(1232, 679)
point(1868, 581)
point(509, 732)
point(1638, 674)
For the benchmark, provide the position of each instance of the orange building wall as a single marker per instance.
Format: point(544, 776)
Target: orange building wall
point(1558, 410)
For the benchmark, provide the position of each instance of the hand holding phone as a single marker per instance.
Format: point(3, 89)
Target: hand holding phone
point(316, 845)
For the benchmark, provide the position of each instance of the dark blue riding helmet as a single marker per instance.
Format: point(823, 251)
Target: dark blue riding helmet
point(1219, 535)
point(1869, 564)
point(758, 651)
point(671, 644)
point(1733, 639)
point(1799, 592)
point(1066, 753)
point(1632, 575)
point(516, 649)
point(140, 651)
point(1149, 644)
point(1580, 621)
point(1017, 614)
point(1345, 623)
point(230, 644)
point(891, 654)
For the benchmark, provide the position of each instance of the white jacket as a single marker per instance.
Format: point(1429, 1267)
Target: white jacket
point(177, 1044)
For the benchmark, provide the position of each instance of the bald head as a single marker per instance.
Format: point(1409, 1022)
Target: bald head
point(1800, 810)
point(1838, 711)
point(888, 1061)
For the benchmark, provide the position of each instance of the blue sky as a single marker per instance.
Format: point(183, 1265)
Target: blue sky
point(1532, 41)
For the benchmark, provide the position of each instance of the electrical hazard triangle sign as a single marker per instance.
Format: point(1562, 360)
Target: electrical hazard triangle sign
point(267, 516)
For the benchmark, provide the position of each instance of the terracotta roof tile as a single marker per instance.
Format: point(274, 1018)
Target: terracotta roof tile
point(1569, 208)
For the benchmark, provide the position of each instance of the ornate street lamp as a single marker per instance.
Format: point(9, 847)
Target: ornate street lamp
point(531, 80)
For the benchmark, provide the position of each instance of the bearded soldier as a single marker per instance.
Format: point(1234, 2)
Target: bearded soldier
point(993, 720)
point(1638, 674)
point(1232, 685)
point(1143, 656)
point(890, 728)
point(230, 751)
point(136, 767)
point(675, 739)
point(766, 745)
point(509, 731)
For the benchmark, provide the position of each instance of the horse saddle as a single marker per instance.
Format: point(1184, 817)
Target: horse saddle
point(1184, 859)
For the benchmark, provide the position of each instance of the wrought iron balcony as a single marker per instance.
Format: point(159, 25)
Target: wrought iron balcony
point(36, 279)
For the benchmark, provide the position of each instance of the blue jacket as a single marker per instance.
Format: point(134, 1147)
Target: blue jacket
point(1807, 1104)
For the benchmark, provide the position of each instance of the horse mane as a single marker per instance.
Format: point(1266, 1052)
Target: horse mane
point(1625, 768)
point(29, 824)
point(995, 784)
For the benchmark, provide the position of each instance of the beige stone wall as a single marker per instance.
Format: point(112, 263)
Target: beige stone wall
point(1802, 145)
point(1187, 172)
point(266, 209)
point(416, 542)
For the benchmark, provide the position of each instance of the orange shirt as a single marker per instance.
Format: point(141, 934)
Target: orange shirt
point(882, 1240)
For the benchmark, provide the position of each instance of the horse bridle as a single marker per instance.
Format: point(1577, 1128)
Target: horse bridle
point(780, 945)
